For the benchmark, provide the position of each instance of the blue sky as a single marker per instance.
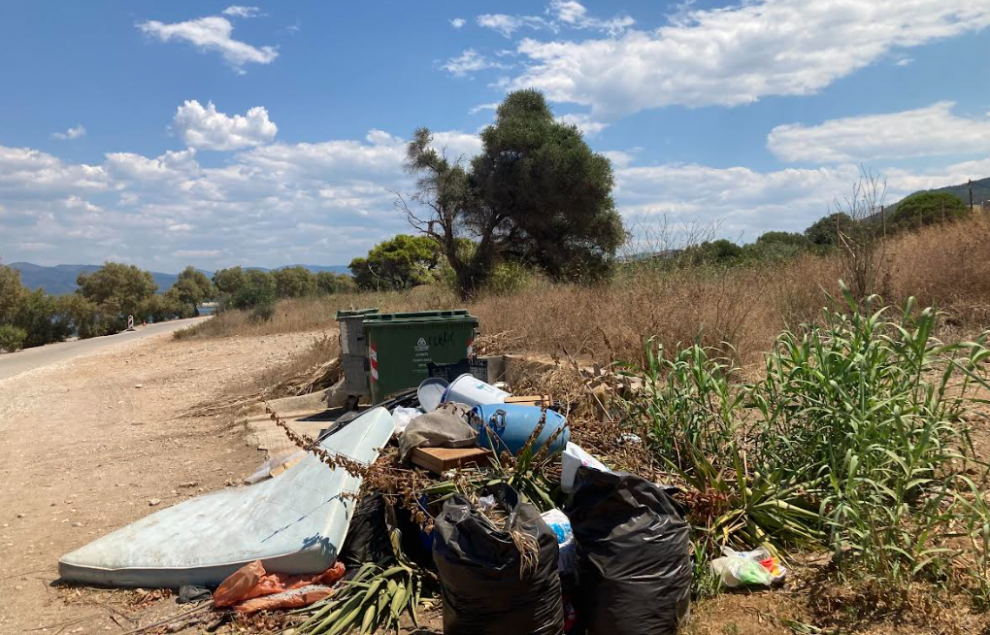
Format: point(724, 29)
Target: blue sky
point(172, 133)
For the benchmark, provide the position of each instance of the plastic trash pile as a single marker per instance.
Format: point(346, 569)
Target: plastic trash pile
point(471, 521)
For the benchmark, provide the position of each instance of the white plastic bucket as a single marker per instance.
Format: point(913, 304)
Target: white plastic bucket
point(430, 393)
point(468, 389)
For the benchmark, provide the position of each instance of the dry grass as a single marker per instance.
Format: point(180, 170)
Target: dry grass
point(315, 314)
point(743, 307)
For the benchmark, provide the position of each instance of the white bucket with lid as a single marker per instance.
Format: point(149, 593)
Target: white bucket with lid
point(468, 389)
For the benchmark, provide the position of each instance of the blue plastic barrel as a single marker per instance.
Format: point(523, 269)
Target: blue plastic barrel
point(513, 423)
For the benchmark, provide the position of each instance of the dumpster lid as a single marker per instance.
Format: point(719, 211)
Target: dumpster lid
point(353, 313)
point(457, 315)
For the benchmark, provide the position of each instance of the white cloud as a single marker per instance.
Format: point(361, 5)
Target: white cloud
point(922, 132)
point(746, 202)
point(197, 253)
point(476, 109)
point(509, 24)
point(27, 173)
point(470, 61)
point(563, 14)
point(71, 133)
point(737, 55)
point(206, 128)
point(574, 14)
point(457, 144)
point(584, 123)
point(212, 33)
point(238, 11)
point(905, 61)
point(458, 22)
point(619, 158)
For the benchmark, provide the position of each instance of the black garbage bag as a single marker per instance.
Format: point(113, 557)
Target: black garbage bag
point(487, 587)
point(635, 561)
point(367, 535)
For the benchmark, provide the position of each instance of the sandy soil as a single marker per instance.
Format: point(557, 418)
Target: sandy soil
point(94, 443)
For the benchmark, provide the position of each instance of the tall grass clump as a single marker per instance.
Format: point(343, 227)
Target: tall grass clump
point(854, 440)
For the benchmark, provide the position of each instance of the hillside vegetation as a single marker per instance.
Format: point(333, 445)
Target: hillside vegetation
point(742, 306)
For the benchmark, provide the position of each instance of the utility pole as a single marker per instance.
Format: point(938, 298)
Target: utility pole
point(971, 195)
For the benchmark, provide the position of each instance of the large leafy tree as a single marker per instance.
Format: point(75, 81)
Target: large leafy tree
point(118, 290)
point(399, 263)
point(536, 194)
point(12, 293)
point(294, 282)
point(329, 283)
point(190, 289)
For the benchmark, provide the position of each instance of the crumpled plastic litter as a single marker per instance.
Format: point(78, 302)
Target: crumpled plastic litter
point(567, 556)
point(574, 457)
point(748, 568)
point(403, 417)
point(252, 581)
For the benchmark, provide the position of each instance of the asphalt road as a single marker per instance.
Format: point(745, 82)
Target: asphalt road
point(22, 361)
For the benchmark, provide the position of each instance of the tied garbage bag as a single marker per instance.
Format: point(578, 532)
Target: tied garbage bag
point(748, 568)
point(497, 581)
point(368, 535)
point(635, 563)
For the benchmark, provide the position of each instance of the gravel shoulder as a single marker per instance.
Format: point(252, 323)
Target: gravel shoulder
point(96, 442)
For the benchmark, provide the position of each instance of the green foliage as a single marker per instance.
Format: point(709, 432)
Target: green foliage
point(38, 316)
point(293, 282)
point(537, 194)
point(399, 263)
point(263, 311)
point(330, 283)
point(12, 293)
point(118, 290)
point(554, 191)
point(825, 231)
point(720, 252)
point(190, 289)
point(258, 289)
point(11, 338)
point(926, 208)
point(229, 282)
point(82, 314)
point(855, 440)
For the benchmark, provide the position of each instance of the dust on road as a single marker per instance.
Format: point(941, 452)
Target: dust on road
point(97, 442)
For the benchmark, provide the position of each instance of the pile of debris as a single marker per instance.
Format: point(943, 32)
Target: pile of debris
point(457, 495)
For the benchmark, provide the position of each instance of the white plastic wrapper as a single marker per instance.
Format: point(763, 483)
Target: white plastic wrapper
point(566, 545)
point(403, 416)
point(573, 458)
point(748, 568)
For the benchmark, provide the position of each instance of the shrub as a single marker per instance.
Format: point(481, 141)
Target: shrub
point(11, 338)
point(263, 312)
point(854, 440)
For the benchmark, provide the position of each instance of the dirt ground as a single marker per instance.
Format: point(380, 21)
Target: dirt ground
point(92, 444)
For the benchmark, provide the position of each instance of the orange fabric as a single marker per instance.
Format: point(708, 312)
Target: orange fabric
point(252, 581)
point(294, 599)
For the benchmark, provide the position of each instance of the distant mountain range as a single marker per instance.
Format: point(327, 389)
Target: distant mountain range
point(61, 279)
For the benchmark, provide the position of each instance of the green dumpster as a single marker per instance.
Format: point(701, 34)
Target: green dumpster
point(401, 345)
